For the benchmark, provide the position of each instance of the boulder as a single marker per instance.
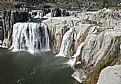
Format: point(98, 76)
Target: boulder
point(57, 12)
point(110, 75)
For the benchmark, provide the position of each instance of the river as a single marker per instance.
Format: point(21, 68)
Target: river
point(42, 68)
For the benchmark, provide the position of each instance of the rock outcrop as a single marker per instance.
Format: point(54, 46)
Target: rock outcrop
point(110, 75)
point(1, 32)
point(91, 40)
point(102, 39)
point(57, 12)
point(20, 16)
point(9, 18)
point(96, 38)
point(58, 26)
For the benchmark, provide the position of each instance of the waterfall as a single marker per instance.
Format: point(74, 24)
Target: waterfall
point(39, 15)
point(30, 36)
point(65, 43)
point(47, 15)
point(45, 40)
point(72, 61)
point(78, 50)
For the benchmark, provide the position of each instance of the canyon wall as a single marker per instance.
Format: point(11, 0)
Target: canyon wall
point(91, 41)
point(92, 38)
point(7, 20)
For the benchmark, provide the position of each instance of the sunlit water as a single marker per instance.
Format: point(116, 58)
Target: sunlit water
point(41, 68)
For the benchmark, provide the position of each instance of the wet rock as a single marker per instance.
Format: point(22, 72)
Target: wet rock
point(8, 19)
point(93, 38)
point(58, 26)
point(79, 75)
point(7, 22)
point(20, 16)
point(57, 12)
point(100, 40)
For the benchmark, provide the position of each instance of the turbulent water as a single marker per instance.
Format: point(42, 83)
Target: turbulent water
point(43, 68)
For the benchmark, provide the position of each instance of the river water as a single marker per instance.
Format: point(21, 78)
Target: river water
point(42, 68)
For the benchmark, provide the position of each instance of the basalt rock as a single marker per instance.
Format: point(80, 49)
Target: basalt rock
point(57, 12)
point(20, 16)
point(58, 26)
point(1, 32)
point(100, 40)
point(110, 75)
point(111, 59)
point(8, 19)
point(92, 40)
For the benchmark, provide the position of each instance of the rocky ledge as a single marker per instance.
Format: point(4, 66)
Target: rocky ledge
point(91, 41)
point(110, 75)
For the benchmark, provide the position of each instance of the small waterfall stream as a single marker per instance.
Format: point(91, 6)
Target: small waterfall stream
point(72, 61)
point(65, 43)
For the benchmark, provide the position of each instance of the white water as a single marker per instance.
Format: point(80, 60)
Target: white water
point(72, 61)
point(78, 50)
point(45, 40)
point(47, 15)
point(65, 43)
point(39, 15)
point(30, 36)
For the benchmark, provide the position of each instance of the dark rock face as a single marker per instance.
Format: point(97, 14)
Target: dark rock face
point(1, 35)
point(57, 12)
point(8, 19)
point(20, 16)
point(1, 31)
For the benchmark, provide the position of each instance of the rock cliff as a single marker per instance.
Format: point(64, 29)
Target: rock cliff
point(7, 19)
point(110, 75)
point(92, 38)
point(91, 41)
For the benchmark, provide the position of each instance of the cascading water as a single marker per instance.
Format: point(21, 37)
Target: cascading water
point(45, 38)
point(72, 61)
point(65, 43)
point(78, 50)
point(47, 15)
point(30, 36)
point(39, 15)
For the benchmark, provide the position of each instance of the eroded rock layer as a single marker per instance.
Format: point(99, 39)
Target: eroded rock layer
point(95, 38)
point(91, 41)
